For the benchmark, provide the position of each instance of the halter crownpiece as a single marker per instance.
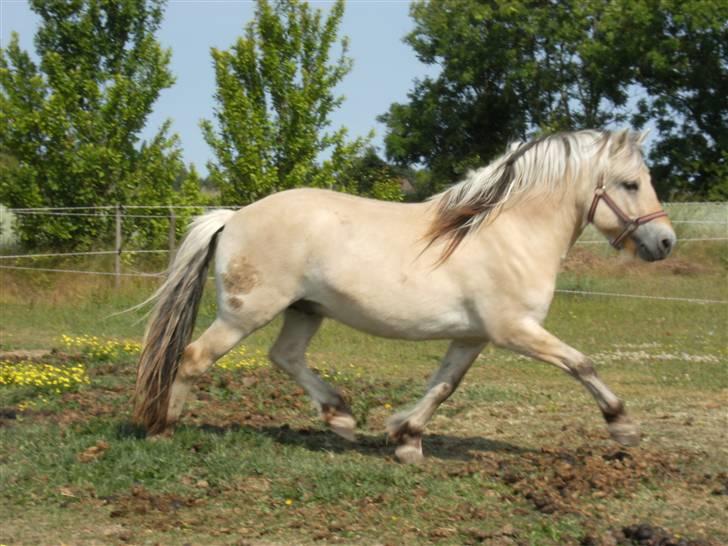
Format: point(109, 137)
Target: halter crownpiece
point(630, 224)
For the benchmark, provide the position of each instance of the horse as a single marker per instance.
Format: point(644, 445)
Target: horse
point(475, 264)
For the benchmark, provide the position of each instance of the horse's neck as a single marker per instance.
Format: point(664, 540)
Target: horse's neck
point(548, 225)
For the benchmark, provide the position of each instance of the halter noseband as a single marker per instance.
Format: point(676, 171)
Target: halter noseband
point(630, 224)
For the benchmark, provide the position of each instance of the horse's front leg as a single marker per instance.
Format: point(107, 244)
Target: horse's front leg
point(406, 427)
point(530, 338)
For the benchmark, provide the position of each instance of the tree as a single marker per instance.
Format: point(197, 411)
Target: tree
point(512, 69)
point(275, 95)
point(680, 49)
point(508, 68)
point(73, 121)
point(369, 175)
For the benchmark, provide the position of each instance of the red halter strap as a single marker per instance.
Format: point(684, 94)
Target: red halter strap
point(630, 224)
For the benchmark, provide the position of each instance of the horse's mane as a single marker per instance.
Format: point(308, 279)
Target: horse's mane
point(544, 164)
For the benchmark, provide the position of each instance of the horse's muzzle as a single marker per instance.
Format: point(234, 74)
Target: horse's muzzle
point(654, 241)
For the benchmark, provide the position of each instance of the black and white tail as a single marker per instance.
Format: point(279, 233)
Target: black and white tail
point(172, 320)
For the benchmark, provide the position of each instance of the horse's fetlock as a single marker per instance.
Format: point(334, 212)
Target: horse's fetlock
point(614, 412)
point(401, 430)
point(328, 411)
point(340, 420)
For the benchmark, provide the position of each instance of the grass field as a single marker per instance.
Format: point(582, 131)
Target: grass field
point(519, 455)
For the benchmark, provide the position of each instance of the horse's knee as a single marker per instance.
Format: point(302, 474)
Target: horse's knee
point(583, 368)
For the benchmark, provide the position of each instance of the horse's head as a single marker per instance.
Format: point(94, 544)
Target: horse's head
point(624, 206)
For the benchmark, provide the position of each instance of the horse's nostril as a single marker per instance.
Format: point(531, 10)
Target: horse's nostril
point(666, 243)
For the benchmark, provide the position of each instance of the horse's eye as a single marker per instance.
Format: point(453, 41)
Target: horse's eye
point(630, 186)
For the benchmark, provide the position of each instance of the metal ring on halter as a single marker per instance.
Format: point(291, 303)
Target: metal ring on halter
point(630, 224)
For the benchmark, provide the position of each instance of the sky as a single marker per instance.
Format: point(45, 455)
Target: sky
point(383, 72)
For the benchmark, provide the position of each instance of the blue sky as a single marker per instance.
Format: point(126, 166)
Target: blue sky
point(383, 72)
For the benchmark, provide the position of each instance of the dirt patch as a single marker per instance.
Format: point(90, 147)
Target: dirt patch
point(582, 260)
point(556, 480)
point(19, 355)
point(642, 534)
point(241, 276)
point(94, 452)
point(142, 501)
point(7, 416)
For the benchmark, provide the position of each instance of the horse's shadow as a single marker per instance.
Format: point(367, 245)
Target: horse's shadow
point(441, 446)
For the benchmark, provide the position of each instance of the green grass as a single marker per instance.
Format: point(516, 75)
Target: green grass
point(519, 455)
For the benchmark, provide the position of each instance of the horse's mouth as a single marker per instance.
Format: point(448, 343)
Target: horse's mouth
point(650, 253)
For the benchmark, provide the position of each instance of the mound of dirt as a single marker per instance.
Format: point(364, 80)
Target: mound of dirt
point(642, 534)
point(558, 480)
point(583, 260)
point(140, 501)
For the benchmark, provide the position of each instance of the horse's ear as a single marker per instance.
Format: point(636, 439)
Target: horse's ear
point(619, 141)
point(641, 136)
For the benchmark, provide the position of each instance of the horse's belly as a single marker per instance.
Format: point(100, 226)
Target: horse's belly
point(400, 319)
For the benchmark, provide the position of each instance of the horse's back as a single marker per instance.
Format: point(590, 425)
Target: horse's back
point(323, 220)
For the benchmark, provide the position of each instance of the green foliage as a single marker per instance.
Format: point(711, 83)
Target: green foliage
point(387, 190)
point(275, 94)
point(73, 121)
point(512, 68)
point(680, 49)
point(369, 175)
point(507, 68)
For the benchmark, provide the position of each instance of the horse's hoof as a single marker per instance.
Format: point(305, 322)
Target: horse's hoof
point(341, 423)
point(410, 453)
point(344, 426)
point(625, 433)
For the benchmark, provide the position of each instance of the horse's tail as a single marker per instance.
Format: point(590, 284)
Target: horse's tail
point(173, 319)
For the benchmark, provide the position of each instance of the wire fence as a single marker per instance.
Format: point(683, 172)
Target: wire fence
point(694, 222)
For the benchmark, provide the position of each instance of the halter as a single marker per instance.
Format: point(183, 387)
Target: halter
point(630, 224)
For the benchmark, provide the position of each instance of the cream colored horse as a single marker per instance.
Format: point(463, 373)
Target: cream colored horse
point(475, 264)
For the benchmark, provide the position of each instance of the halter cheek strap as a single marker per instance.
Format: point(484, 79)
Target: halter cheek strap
point(630, 224)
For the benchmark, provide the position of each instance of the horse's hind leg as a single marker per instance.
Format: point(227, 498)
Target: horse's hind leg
point(406, 427)
point(237, 319)
point(197, 358)
point(289, 354)
point(532, 339)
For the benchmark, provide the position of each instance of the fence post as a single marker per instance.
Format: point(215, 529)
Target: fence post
point(117, 257)
point(172, 234)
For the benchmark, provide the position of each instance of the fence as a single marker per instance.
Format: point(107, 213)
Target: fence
point(118, 213)
point(694, 222)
